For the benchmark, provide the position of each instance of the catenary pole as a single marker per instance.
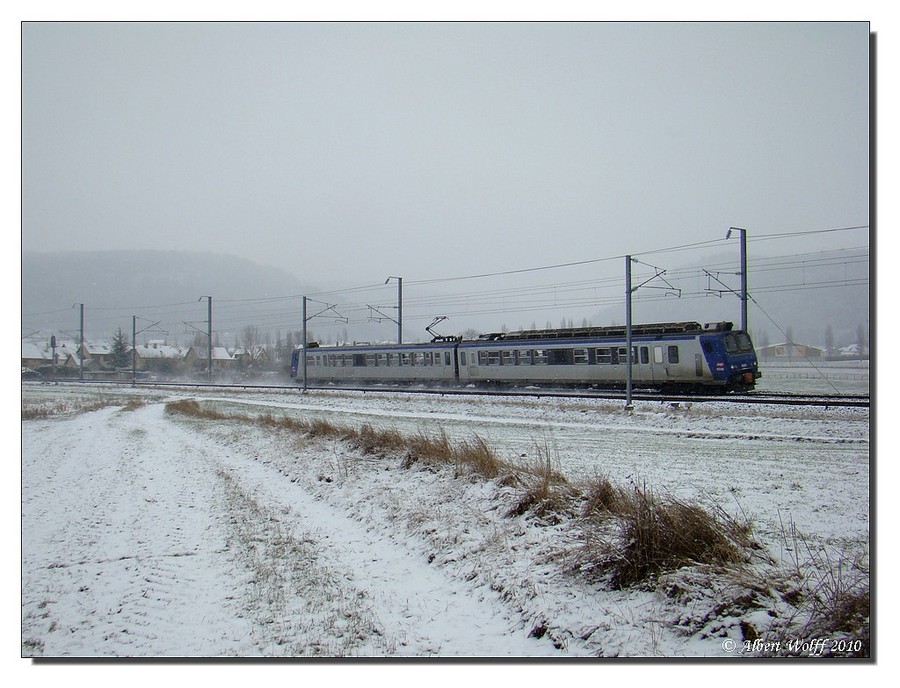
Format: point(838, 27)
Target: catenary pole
point(303, 351)
point(133, 350)
point(82, 348)
point(628, 385)
point(399, 306)
point(743, 274)
point(209, 336)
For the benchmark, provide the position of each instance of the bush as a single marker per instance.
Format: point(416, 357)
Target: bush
point(657, 533)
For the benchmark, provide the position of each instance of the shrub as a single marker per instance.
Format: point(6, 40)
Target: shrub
point(548, 494)
point(656, 533)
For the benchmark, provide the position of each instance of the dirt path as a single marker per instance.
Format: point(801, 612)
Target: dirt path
point(143, 538)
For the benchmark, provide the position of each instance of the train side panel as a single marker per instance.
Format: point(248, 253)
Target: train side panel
point(389, 364)
point(600, 362)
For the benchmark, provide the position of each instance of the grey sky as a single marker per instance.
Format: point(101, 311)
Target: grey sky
point(423, 150)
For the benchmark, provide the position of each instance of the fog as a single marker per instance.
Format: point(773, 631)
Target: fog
point(345, 153)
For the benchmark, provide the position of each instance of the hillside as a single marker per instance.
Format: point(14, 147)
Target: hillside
point(153, 285)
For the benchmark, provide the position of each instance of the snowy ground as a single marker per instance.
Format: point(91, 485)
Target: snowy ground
point(147, 535)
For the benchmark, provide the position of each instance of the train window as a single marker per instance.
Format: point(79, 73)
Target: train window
point(580, 356)
point(622, 355)
point(370, 360)
point(540, 357)
point(657, 354)
point(707, 346)
point(524, 357)
point(561, 356)
point(493, 358)
point(381, 360)
point(508, 358)
point(359, 360)
point(645, 355)
point(404, 359)
point(673, 354)
point(737, 342)
point(604, 355)
point(446, 358)
point(482, 358)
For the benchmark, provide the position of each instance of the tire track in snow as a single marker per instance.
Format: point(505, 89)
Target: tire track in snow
point(419, 609)
point(129, 549)
point(121, 553)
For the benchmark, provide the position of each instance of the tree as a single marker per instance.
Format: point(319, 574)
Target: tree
point(829, 340)
point(120, 348)
point(861, 339)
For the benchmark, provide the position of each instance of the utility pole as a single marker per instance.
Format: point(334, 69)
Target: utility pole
point(628, 291)
point(303, 352)
point(134, 334)
point(209, 333)
point(306, 318)
point(399, 307)
point(81, 347)
point(743, 274)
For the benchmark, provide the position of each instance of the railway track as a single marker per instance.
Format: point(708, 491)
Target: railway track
point(784, 399)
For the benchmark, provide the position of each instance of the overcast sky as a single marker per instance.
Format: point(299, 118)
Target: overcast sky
point(435, 150)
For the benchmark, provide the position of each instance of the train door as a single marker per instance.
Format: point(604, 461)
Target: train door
point(657, 364)
point(472, 367)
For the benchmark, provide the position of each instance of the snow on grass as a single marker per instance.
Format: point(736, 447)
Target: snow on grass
point(150, 535)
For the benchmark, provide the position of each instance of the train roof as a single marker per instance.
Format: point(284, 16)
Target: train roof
point(610, 331)
point(644, 330)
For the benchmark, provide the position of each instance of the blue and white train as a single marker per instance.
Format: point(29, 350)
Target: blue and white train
point(675, 357)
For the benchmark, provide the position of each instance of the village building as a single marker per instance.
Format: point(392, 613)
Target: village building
point(196, 358)
point(788, 351)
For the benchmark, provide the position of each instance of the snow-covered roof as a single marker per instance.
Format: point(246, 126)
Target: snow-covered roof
point(98, 348)
point(34, 351)
point(159, 352)
point(220, 353)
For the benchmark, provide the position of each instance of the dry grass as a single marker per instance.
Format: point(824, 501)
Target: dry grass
point(548, 495)
point(830, 594)
point(473, 456)
point(654, 533)
point(70, 406)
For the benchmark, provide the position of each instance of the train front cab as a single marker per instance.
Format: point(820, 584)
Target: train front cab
point(731, 359)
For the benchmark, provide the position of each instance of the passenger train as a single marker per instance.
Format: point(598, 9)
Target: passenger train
point(682, 357)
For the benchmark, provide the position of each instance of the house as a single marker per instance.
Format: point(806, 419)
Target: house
point(98, 354)
point(35, 355)
point(251, 357)
point(788, 351)
point(157, 357)
point(196, 358)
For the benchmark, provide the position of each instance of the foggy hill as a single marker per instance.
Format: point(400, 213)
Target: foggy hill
point(114, 285)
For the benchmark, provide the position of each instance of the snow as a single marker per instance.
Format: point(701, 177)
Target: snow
point(148, 535)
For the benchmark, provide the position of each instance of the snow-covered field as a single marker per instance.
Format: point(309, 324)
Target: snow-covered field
point(151, 535)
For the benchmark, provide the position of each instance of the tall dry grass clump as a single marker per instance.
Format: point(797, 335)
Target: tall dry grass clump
point(467, 457)
point(649, 533)
point(192, 408)
point(547, 494)
point(474, 456)
point(830, 593)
